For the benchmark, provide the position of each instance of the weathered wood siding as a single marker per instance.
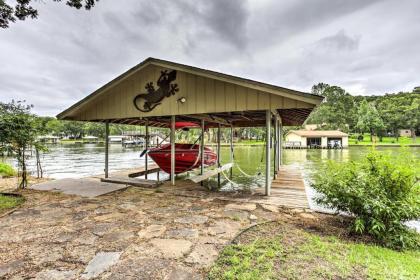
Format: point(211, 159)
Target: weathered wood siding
point(203, 95)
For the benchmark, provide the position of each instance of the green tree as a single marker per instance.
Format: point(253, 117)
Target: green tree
point(381, 191)
point(22, 9)
point(337, 111)
point(18, 133)
point(399, 111)
point(319, 88)
point(54, 126)
point(95, 129)
point(391, 112)
point(412, 116)
point(72, 129)
point(369, 119)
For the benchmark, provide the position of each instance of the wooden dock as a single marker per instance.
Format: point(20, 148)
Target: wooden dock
point(288, 189)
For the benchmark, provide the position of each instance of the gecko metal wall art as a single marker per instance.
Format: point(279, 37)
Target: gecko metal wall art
point(146, 102)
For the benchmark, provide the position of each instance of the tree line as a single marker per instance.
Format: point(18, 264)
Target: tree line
point(382, 115)
point(379, 116)
point(77, 130)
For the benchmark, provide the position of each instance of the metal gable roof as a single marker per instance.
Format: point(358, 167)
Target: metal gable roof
point(273, 89)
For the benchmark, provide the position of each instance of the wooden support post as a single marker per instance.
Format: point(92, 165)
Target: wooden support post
point(280, 143)
point(231, 151)
point(276, 146)
point(218, 153)
point(173, 150)
point(146, 157)
point(202, 149)
point(106, 148)
point(267, 153)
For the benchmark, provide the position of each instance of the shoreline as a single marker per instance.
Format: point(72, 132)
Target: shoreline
point(385, 145)
point(262, 144)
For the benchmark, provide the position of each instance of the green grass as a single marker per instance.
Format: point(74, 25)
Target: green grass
point(239, 143)
point(343, 259)
point(8, 202)
point(385, 141)
point(382, 263)
point(296, 254)
point(250, 142)
point(247, 262)
point(6, 170)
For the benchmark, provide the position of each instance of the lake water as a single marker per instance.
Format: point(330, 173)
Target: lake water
point(81, 160)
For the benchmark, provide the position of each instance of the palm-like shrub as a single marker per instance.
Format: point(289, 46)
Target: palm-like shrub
point(6, 170)
point(381, 191)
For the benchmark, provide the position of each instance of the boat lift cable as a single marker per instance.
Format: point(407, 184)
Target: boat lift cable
point(161, 142)
point(246, 174)
point(229, 180)
point(196, 161)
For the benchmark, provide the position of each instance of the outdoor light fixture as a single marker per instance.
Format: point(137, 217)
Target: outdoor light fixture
point(182, 100)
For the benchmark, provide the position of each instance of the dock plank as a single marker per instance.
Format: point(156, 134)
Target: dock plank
point(132, 182)
point(288, 189)
point(143, 172)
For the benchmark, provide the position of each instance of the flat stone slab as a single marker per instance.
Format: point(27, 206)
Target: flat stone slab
point(224, 228)
point(195, 219)
point(152, 231)
point(271, 208)
point(172, 248)
point(203, 254)
point(242, 206)
point(10, 267)
point(236, 214)
point(182, 273)
point(100, 263)
point(86, 187)
point(182, 233)
point(56, 275)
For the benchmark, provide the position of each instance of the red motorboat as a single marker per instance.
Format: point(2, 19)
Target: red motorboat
point(187, 157)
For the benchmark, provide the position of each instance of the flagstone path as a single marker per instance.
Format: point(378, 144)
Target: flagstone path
point(130, 234)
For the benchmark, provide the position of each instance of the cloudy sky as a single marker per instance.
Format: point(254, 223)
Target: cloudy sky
point(367, 47)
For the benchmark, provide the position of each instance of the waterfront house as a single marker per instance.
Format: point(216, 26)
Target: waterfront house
point(404, 132)
point(49, 139)
point(316, 139)
point(90, 139)
point(116, 138)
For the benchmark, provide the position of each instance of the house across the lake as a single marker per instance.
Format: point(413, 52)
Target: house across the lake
point(325, 139)
point(405, 132)
point(49, 139)
point(116, 138)
point(90, 139)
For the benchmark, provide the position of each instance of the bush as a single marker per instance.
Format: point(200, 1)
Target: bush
point(6, 170)
point(381, 191)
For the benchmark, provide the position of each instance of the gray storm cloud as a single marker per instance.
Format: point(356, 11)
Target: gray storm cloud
point(368, 47)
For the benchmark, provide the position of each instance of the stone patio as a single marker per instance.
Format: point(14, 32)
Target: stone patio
point(129, 234)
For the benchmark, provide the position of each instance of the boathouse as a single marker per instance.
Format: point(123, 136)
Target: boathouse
point(325, 139)
point(160, 93)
